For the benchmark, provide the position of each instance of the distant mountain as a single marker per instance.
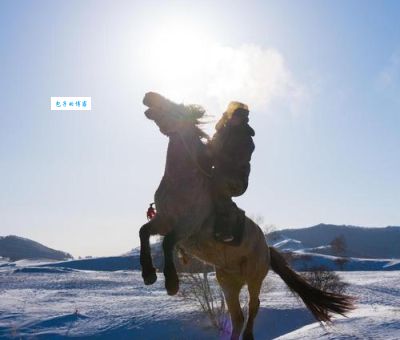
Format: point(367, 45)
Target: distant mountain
point(18, 248)
point(340, 240)
point(359, 249)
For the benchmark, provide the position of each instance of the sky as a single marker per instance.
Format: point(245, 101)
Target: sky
point(321, 79)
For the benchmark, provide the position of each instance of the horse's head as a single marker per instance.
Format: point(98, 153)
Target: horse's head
point(169, 116)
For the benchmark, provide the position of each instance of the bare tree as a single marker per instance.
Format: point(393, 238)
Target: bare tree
point(266, 227)
point(339, 245)
point(202, 288)
point(325, 280)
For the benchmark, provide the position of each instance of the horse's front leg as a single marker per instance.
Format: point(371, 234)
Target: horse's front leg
point(171, 277)
point(231, 286)
point(150, 228)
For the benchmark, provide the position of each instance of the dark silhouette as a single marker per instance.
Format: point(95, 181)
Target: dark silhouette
point(18, 248)
point(186, 216)
point(231, 149)
point(151, 212)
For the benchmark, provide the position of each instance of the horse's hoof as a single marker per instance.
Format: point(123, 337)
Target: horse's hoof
point(172, 290)
point(172, 286)
point(149, 278)
point(248, 336)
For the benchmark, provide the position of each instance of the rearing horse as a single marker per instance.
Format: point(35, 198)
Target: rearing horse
point(186, 216)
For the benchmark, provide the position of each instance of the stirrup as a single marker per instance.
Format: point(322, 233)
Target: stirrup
point(227, 239)
point(224, 238)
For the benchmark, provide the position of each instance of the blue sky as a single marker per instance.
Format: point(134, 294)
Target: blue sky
point(321, 78)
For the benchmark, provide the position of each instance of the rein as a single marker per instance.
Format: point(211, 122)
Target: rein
point(194, 159)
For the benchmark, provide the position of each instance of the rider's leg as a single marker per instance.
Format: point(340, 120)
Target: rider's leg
point(225, 218)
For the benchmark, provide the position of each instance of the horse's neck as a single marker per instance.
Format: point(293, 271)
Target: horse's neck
point(184, 193)
point(182, 155)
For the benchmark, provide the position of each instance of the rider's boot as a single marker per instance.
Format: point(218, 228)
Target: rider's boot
point(226, 219)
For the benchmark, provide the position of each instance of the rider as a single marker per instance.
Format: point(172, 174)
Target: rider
point(231, 150)
point(151, 212)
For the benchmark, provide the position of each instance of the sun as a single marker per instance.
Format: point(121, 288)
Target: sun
point(178, 54)
point(190, 63)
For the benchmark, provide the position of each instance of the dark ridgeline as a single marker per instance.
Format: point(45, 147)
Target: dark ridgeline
point(18, 248)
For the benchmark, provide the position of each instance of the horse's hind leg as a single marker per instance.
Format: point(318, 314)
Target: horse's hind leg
point(171, 277)
point(231, 286)
point(254, 304)
point(148, 270)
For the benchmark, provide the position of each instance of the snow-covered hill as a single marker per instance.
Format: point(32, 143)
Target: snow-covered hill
point(360, 242)
point(310, 248)
point(105, 298)
point(299, 261)
point(302, 261)
point(334, 247)
point(17, 248)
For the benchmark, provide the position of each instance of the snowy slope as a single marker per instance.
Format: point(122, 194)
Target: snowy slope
point(303, 261)
point(104, 298)
point(377, 315)
point(360, 242)
point(116, 305)
point(311, 248)
point(300, 260)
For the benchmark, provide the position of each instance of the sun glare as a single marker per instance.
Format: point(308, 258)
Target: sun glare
point(188, 64)
point(178, 55)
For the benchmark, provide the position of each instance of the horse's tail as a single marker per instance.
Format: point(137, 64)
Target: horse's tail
point(321, 303)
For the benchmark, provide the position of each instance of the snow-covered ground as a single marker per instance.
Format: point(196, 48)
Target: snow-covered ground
point(51, 303)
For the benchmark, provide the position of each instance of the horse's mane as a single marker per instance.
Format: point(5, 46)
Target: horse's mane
point(195, 113)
